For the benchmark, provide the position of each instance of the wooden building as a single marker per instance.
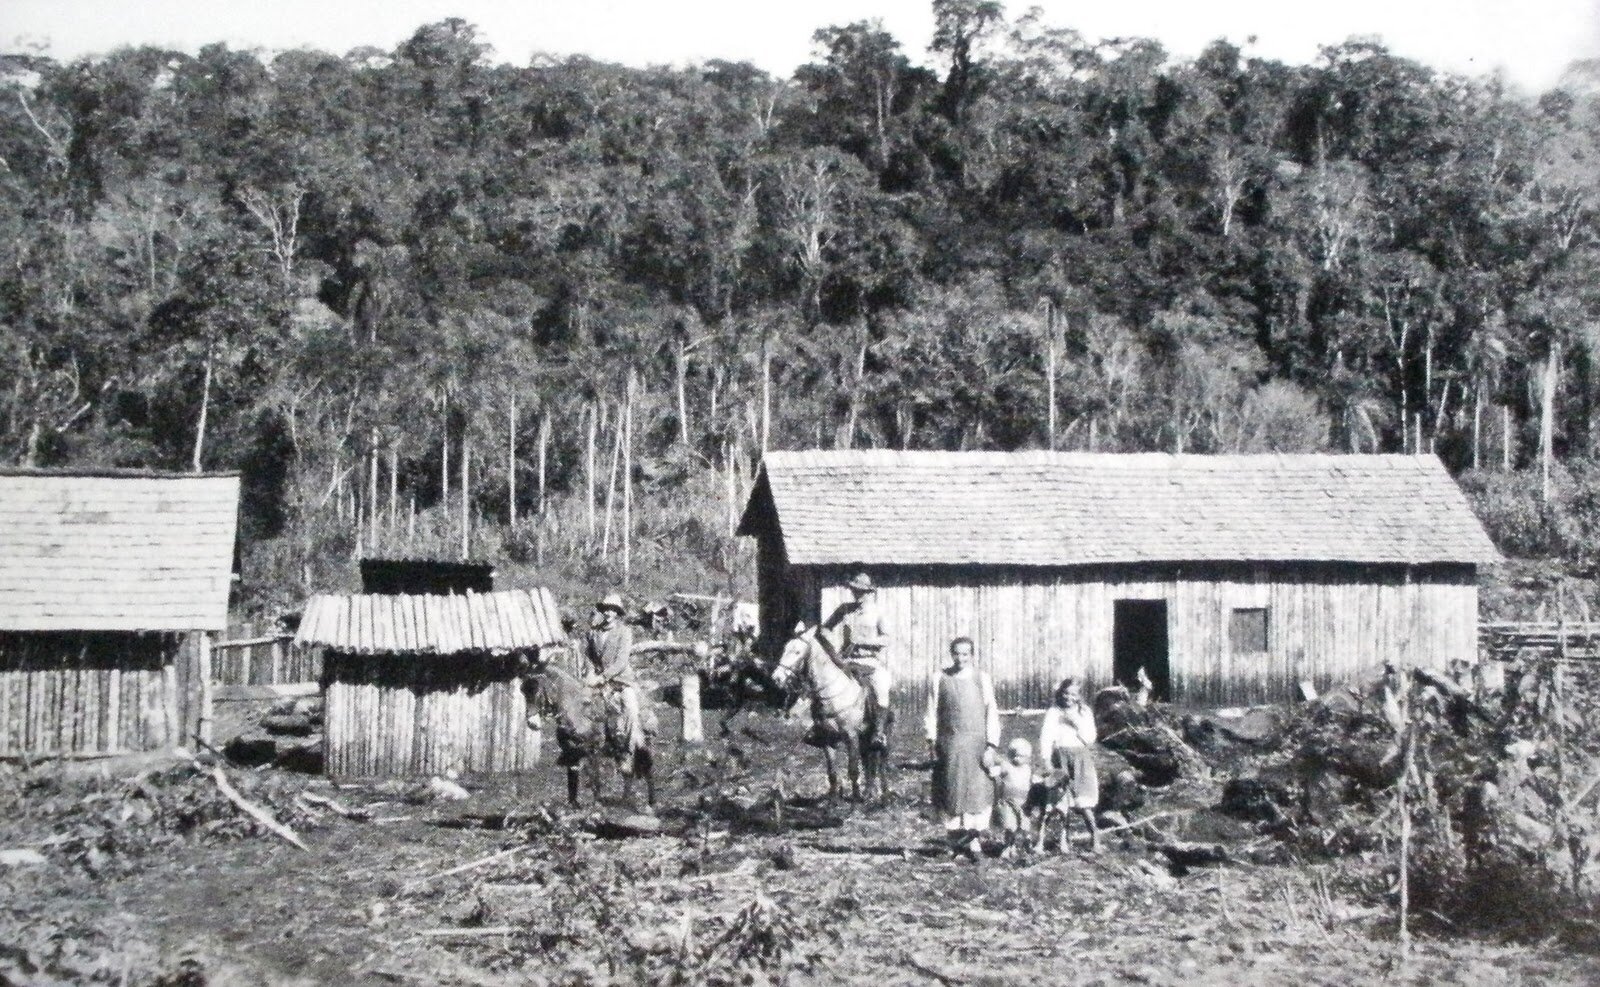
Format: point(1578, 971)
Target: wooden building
point(112, 583)
point(425, 684)
point(1230, 579)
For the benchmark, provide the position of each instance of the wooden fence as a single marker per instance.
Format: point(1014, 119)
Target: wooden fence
point(1551, 639)
point(252, 655)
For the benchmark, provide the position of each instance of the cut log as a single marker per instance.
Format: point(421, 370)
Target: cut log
point(254, 811)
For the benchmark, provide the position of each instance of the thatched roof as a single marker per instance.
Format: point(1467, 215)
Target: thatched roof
point(482, 623)
point(1069, 508)
point(110, 550)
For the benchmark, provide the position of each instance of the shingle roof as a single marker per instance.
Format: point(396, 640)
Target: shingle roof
point(1068, 508)
point(108, 550)
point(486, 623)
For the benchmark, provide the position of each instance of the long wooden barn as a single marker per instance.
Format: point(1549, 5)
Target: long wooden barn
point(1229, 579)
point(425, 684)
point(112, 583)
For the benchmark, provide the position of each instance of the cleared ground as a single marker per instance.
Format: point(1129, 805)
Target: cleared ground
point(740, 887)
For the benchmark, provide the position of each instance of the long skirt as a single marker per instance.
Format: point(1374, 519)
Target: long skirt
point(960, 785)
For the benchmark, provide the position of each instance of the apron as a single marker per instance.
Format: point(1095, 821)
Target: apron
point(960, 785)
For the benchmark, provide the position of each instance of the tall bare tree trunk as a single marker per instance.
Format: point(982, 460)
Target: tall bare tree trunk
point(466, 495)
point(511, 462)
point(374, 513)
point(394, 484)
point(544, 443)
point(627, 483)
point(682, 368)
point(1505, 438)
point(733, 488)
point(1477, 428)
point(611, 490)
point(444, 465)
point(200, 427)
point(766, 396)
point(1547, 420)
point(588, 465)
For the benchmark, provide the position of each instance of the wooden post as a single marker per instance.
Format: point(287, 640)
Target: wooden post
point(511, 462)
point(203, 726)
point(466, 499)
point(693, 730)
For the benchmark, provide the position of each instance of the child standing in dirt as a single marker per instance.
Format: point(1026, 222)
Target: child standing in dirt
point(1066, 744)
point(1013, 778)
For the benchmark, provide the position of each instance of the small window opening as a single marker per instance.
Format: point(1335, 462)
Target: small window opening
point(1248, 630)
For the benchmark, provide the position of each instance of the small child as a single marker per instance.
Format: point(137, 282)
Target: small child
point(1013, 779)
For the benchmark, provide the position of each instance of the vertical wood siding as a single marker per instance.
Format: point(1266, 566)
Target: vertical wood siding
point(408, 715)
point(1325, 623)
point(64, 694)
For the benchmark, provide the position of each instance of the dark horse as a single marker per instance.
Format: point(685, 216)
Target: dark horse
point(581, 736)
point(839, 703)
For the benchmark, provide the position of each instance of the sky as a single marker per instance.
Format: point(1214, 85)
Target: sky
point(1531, 41)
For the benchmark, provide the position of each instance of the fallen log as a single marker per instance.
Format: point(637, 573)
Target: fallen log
point(485, 930)
point(335, 806)
point(469, 866)
point(254, 811)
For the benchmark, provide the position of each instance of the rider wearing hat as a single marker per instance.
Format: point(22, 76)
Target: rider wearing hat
point(862, 639)
point(608, 649)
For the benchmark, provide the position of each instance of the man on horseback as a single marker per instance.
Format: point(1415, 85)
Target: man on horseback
point(608, 650)
point(863, 637)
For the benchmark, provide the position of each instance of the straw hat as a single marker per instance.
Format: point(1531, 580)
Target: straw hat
point(861, 583)
point(612, 601)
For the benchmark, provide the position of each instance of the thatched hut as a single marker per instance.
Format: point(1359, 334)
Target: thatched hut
point(425, 684)
point(112, 584)
point(1227, 578)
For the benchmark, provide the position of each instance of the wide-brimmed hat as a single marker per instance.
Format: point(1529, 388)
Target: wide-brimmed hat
point(612, 601)
point(861, 583)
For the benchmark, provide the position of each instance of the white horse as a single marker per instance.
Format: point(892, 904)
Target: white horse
point(839, 706)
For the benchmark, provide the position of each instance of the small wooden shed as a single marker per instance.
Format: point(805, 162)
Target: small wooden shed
point(424, 684)
point(112, 583)
point(1229, 579)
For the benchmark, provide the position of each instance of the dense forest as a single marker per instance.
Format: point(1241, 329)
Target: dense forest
point(566, 305)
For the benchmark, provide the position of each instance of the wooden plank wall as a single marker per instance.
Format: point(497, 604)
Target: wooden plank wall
point(1325, 623)
point(276, 663)
point(407, 715)
point(64, 693)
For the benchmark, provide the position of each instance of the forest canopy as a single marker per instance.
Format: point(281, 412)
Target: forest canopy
point(362, 278)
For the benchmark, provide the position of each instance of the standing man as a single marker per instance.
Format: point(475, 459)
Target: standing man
point(608, 647)
point(963, 723)
point(862, 638)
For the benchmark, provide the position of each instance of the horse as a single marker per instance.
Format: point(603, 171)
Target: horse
point(839, 705)
point(581, 737)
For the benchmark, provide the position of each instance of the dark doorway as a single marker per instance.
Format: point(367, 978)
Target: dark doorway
point(1139, 639)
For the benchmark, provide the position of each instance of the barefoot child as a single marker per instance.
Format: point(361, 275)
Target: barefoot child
point(1013, 777)
point(1066, 744)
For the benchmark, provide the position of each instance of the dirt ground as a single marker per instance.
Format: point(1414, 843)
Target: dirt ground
point(741, 886)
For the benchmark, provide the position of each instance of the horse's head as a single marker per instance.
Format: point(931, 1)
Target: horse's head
point(794, 656)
